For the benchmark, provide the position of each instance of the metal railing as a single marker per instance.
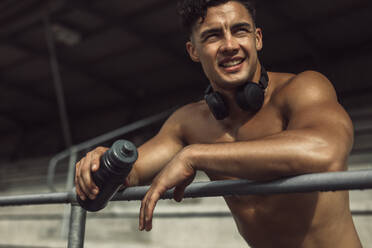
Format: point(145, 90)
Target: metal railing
point(330, 181)
point(72, 151)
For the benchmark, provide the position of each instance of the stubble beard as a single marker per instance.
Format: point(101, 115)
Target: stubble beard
point(233, 83)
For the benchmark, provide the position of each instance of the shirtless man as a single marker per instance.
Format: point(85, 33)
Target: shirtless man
point(301, 128)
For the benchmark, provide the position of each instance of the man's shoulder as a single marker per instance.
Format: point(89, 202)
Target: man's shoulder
point(190, 113)
point(307, 84)
point(306, 79)
point(186, 118)
point(198, 106)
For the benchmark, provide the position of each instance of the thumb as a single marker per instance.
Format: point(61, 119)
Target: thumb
point(179, 192)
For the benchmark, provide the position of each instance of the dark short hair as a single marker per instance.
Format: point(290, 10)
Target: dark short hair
point(191, 10)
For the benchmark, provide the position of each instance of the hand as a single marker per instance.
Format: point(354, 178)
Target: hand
point(85, 187)
point(177, 173)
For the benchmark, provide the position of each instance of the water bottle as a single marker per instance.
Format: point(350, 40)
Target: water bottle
point(115, 165)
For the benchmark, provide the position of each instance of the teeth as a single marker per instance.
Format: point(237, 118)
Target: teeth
point(232, 63)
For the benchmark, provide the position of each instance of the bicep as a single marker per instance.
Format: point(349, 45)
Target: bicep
point(312, 106)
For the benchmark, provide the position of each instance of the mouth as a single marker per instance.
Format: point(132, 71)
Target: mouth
point(231, 63)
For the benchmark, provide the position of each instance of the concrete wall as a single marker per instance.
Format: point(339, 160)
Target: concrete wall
point(117, 225)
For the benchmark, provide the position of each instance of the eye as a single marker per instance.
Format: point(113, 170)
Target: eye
point(242, 31)
point(210, 36)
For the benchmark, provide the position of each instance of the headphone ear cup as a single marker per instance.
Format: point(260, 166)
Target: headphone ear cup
point(250, 97)
point(217, 105)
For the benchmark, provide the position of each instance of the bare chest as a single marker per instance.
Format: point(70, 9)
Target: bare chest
point(266, 122)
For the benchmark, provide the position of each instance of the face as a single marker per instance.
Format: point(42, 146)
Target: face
point(226, 45)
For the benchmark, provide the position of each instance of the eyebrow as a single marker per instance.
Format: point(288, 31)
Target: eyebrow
point(217, 30)
point(210, 31)
point(242, 24)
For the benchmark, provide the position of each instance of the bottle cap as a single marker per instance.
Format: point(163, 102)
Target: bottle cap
point(124, 153)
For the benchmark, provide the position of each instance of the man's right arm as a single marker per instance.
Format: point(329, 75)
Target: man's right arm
point(152, 157)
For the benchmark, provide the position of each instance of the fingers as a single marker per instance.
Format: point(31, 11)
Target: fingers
point(171, 176)
point(79, 192)
point(82, 177)
point(95, 156)
point(85, 186)
point(179, 192)
point(147, 208)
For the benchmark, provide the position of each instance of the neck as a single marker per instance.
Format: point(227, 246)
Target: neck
point(235, 112)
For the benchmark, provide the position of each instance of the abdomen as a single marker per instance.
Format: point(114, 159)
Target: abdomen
point(293, 220)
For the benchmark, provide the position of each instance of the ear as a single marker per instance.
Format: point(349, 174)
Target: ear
point(192, 51)
point(259, 42)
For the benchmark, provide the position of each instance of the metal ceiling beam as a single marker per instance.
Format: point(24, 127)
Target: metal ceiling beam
point(333, 55)
point(295, 25)
point(116, 87)
point(25, 89)
point(84, 113)
point(11, 117)
point(24, 60)
point(18, 10)
point(119, 53)
point(87, 35)
point(320, 53)
point(37, 21)
point(150, 8)
point(5, 4)
point(304, 24)
point(127, 25)
point(34, 16)
point(116, 53)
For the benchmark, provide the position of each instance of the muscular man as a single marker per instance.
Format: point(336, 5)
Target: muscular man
point(300, 128)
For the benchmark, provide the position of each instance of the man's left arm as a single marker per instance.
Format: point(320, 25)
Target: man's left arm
point(318, 138)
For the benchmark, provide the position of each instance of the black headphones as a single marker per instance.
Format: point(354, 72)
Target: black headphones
point(249, 97)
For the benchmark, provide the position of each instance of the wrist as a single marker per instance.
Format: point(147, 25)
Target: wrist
point(189, 155)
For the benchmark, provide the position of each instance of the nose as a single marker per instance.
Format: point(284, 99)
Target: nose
point(230, 46)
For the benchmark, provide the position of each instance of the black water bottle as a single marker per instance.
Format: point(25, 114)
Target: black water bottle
point(115, 165)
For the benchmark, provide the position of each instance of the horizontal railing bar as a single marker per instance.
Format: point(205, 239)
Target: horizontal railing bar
point(26, 217)
point(166, 215)
point(22, 246)
point(37, 199)
point(327, 181)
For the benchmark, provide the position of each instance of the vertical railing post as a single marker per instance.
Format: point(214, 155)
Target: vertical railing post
point(69, 186)
point(77, 226)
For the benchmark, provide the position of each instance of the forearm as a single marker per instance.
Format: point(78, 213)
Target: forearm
point(285, 154)
point(152, 157)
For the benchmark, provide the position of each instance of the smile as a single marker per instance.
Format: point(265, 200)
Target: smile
point(231, 63)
